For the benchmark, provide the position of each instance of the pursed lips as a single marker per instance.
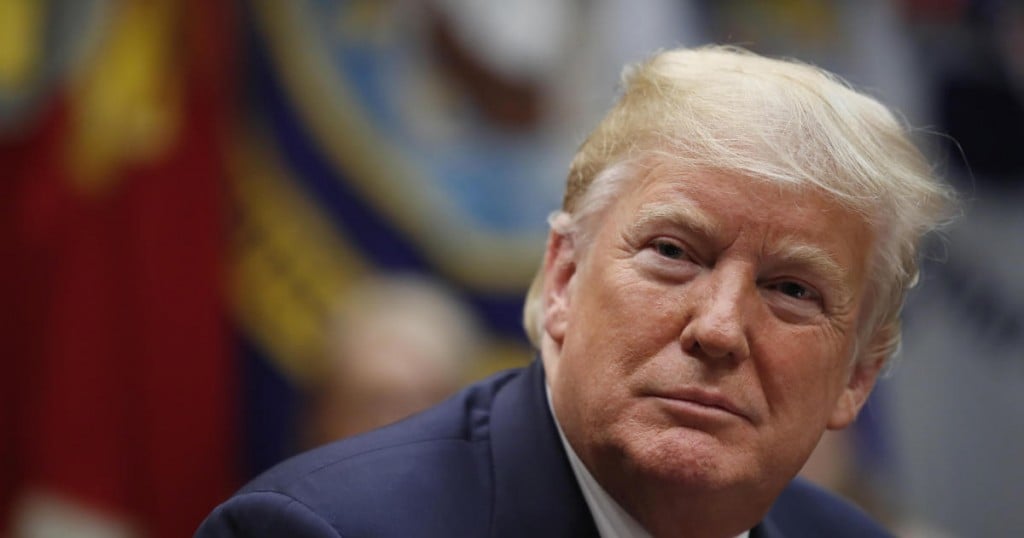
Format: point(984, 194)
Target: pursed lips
point(703, 398)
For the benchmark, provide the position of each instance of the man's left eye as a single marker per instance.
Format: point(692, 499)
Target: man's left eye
point(669, 249)
point(794, 290)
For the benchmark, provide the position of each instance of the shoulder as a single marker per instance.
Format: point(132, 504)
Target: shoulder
point(804, 509)
point(432, 469)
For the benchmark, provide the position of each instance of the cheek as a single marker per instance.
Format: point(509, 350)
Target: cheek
point(627, 318)
point(802, 374)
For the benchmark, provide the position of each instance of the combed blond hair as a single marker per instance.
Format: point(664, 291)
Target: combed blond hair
point(721, 108)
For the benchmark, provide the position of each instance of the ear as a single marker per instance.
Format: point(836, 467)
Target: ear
point(856, 392)
point(559, 270)
point(862, 380)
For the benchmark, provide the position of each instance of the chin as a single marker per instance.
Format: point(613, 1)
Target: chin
point(688, 458)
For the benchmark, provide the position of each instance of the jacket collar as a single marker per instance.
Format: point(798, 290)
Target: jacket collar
point(536, 493)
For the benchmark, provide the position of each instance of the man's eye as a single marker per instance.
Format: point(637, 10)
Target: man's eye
point(669, 249)
point(794, 290)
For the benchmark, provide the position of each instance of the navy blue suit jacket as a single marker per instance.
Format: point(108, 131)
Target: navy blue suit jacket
point(487, 462)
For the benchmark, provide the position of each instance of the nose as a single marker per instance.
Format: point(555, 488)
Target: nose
point(717, 326)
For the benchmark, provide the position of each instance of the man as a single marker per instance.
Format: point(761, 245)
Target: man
point(722, 284)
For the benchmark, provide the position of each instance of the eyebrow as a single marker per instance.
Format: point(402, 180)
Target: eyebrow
point(794, 252)
point(680, 212)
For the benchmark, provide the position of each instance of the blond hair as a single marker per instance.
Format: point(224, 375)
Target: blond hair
point(727, 109)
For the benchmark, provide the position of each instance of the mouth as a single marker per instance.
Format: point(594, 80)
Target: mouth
point(700, 402)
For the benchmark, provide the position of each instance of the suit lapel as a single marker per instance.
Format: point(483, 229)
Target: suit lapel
point(536, 493)
point(766, 529)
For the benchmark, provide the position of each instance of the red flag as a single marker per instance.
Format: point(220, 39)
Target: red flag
point(119, 393)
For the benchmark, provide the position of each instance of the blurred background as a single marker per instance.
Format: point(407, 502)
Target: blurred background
point(233, 230)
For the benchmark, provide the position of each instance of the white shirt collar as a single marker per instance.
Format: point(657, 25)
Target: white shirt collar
point(611, 520)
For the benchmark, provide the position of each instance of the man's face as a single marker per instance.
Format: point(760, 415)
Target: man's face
point(704, 338)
